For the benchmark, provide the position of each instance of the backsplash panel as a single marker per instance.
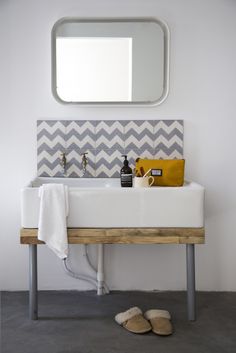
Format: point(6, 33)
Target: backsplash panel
point(105, 141)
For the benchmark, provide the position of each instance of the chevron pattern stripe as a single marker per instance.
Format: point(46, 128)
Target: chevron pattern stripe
point(80, 135)
point(105, 142)
point(108, 163)
point(110, 135)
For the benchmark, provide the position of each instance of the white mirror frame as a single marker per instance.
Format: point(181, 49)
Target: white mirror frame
point(166, 73)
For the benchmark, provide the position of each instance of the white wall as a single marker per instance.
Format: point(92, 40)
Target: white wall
point(202, 92)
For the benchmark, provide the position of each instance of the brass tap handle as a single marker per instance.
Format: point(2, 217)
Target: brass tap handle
point(63, 159)
point(84, 155)
point(84, 159)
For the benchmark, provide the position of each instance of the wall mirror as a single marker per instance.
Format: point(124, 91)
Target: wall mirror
point(110, 61)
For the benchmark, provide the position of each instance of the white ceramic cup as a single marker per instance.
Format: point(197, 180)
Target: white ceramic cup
point(143, 182)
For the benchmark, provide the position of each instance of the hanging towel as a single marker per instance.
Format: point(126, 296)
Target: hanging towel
point(53, 212)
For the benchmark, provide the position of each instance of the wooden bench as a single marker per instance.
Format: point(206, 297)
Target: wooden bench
point(187, 236)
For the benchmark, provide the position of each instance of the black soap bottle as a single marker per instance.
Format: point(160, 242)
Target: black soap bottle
point(126, 176)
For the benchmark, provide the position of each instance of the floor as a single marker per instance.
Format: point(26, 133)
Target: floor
point(81, 322)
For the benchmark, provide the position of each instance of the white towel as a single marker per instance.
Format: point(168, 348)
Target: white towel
point(52, 228)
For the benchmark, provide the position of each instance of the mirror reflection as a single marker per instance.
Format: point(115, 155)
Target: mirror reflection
point(110, 61)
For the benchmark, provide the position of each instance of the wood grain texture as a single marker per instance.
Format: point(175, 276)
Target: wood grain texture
point(124, 236)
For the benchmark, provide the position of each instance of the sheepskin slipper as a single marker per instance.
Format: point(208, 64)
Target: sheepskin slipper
point(160, 321)
point(133, 321)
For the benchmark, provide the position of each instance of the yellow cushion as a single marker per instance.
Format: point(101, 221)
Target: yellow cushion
point(166, 172)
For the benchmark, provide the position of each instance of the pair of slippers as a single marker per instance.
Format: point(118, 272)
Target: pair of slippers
point(155, 320)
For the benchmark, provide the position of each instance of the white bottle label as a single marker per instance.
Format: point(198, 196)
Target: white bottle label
point(126, 179)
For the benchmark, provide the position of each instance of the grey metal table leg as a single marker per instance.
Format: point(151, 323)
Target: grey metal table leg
point(191, 300)
point(33, 283)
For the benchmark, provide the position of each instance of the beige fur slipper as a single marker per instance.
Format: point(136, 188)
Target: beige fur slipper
point(133, 321)
point(160, 321)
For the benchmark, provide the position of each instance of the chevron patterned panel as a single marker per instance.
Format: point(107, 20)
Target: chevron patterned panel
point(108, 163)
point(80, 134)
point(139, 134)
point(51, 135)
point(50, 143)
point(168, 139)
point(105, 142)
point(110, 135)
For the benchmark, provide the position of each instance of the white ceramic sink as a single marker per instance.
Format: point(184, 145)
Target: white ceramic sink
point(103, 203)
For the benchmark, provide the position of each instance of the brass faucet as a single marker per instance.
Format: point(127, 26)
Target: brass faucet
point(63, 162)
point(84, 162)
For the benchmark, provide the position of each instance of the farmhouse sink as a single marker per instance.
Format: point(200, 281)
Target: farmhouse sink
point(103, 203)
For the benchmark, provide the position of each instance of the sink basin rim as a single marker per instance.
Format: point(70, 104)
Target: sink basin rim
point(115, 207)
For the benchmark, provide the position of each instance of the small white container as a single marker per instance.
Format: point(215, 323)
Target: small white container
point(143, 182)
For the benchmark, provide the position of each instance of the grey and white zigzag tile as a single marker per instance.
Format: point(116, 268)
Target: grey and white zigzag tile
point(46, 171)
point(173, 133)
point(105, 141)
point(168, 134)
point(109, 135)
point(80, 134)
point(160, 154)
point(108, 162)
point(51, 125)
point(110, 126)
point(139, 134)
point(57, 146)
point(168, 126)
point(50, 135)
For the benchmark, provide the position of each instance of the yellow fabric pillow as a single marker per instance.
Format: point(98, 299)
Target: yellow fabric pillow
point(166, 172)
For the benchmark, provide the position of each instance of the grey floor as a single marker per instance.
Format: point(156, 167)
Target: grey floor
point(81, 322)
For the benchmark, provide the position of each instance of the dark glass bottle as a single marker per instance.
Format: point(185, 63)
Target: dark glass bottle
point(126, 176)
